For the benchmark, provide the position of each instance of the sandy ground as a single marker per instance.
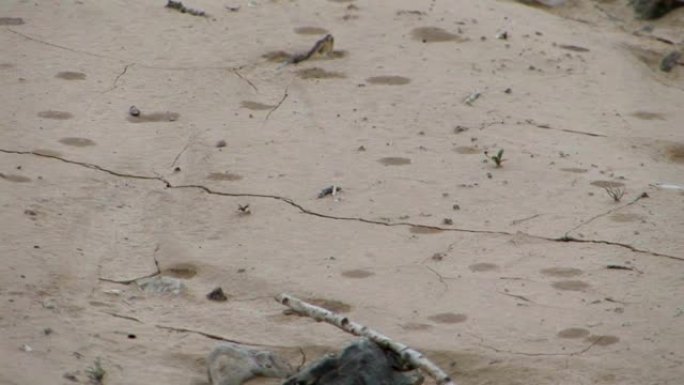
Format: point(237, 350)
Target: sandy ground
point(498, 274)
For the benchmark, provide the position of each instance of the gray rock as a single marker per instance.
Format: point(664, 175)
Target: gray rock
point(161, 285)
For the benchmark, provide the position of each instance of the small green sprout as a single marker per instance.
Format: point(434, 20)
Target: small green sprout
point(497, 159)
point(96, 373)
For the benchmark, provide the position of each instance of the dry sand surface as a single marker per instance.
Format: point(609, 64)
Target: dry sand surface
point(500, 275)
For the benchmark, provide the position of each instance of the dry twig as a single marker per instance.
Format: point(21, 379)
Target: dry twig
point(409, 355)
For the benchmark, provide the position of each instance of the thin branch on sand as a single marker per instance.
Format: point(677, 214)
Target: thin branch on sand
point(411, 356)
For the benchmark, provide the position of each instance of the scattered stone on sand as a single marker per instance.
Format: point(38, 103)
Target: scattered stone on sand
point(161, 285)
point(178, 6)
point(361, 362)
point(217, 295)
point(331, 190)
point(670, 61)
point(244, 209)
point(653, 9)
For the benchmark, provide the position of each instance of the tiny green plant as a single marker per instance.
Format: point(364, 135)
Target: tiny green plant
point(497, 159)
point(615, 192)
point(96, 373)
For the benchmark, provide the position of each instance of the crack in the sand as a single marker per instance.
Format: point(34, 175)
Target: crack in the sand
point(614, 209)
point(185, 148)
point(535, 354)
point(548, 127)
point(47, 43)
point(238, 74)
point(116, 79)
point(619, 244)
point(183, 330)
point(282, 99)
point(566, 238)
point(129, 281)
point(92, 54)
point(441, 278)
point(520, 297)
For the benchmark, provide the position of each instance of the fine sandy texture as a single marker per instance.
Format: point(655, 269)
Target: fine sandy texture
point(524, 274)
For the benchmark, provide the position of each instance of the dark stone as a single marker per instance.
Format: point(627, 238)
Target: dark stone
point(363, 362)
point(217, 295)
point(653, 9)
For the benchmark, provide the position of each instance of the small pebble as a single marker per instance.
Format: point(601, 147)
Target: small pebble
point(217, 295)
point(134, 111)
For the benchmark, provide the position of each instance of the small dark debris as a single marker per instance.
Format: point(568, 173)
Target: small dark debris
point(232, 9)
point(244, 209)
point(36, 247)
point(134, 111)
point(574, 48)
point(438, 256)
point(410, 12)
point(178, 6)
point(670, 61)
point(217, 295)
point(221, 143)
point(362, 362)
point(177, 169)
point(459, 129)
point(619, 267)
point(456, 207)
point(132, 336)
point(508, 91)
point(448, 221)
point(331, 190)
point(47, 331)
point(70, 376)
point(361, 148)
point(30, 212)
point(644, 195)
point(241, 270)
